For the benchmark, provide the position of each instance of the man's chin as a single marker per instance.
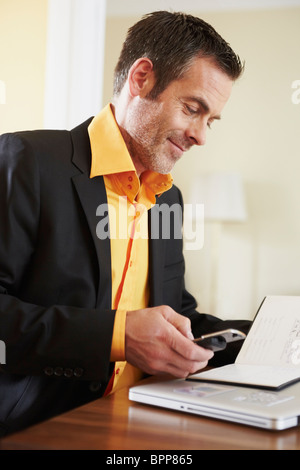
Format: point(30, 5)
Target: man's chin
point(162, 164)
point(164, 169)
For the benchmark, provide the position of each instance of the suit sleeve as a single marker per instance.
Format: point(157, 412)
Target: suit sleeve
point(39, 338)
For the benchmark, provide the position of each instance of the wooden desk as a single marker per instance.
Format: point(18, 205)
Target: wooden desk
point(115, 423)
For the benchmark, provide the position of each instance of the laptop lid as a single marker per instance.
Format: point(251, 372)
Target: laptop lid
point(254, 407)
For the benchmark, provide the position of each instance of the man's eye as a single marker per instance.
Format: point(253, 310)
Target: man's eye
point(191, 110)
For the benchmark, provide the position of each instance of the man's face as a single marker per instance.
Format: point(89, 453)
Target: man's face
point(159, 131)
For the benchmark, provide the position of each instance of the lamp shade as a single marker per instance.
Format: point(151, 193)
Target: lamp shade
point(222, 195)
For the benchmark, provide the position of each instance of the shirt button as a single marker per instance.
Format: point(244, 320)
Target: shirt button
point(129, 178)
point(129, 186)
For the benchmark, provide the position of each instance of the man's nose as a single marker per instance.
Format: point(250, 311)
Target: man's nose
point(196, 133)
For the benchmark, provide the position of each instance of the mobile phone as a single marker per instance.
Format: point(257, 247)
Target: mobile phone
point(218, 340)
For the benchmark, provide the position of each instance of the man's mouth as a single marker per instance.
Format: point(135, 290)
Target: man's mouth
point(177, 145)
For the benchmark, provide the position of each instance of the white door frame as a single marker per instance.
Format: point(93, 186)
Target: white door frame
point(74, 61)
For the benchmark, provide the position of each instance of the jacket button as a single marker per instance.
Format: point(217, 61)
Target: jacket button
point(58, 371)
point(68, 372)
point(95, 386)
point(48, 371)
point(78, 372)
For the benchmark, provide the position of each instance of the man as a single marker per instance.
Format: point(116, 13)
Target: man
point(83, 309)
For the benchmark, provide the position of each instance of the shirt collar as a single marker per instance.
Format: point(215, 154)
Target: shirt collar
point(110, 156)
point(109, 151)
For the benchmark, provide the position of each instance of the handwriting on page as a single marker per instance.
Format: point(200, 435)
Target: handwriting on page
point(291, 352)
point(274, 340)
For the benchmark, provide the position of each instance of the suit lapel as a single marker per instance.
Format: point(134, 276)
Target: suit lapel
point(156, 258)
point(92, 193)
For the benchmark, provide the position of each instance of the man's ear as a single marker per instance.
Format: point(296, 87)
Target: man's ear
point(141, 77)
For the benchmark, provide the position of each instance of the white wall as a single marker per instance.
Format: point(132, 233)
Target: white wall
point(22, 63)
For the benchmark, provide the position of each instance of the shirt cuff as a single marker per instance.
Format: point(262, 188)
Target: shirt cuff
point(118, 338)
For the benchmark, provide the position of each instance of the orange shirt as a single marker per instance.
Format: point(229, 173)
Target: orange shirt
point(129, 198)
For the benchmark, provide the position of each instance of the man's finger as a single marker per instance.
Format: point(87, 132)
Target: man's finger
point(181, 323)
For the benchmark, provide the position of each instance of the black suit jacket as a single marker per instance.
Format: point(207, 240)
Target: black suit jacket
point(55, 277)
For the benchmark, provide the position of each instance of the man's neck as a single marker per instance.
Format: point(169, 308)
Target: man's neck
point(127, 139)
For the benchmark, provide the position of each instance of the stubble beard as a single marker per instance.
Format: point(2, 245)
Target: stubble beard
point(153, 160)
point(152, 151)
point(149, 148)
point(148, 139)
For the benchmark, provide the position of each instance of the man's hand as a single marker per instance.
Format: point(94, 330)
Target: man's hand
point(159, 341)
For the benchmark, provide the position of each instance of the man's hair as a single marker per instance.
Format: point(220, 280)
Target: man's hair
point(171, 41)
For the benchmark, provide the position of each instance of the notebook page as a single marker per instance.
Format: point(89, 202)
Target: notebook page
point(274, 338)
point(243, 374)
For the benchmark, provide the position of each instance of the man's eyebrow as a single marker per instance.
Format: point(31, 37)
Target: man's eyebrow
point(204, 105)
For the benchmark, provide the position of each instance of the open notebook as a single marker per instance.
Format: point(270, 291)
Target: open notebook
point(270, 355)
point(260, 389)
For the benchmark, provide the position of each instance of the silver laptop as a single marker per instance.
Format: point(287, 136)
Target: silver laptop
point(254, 407)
